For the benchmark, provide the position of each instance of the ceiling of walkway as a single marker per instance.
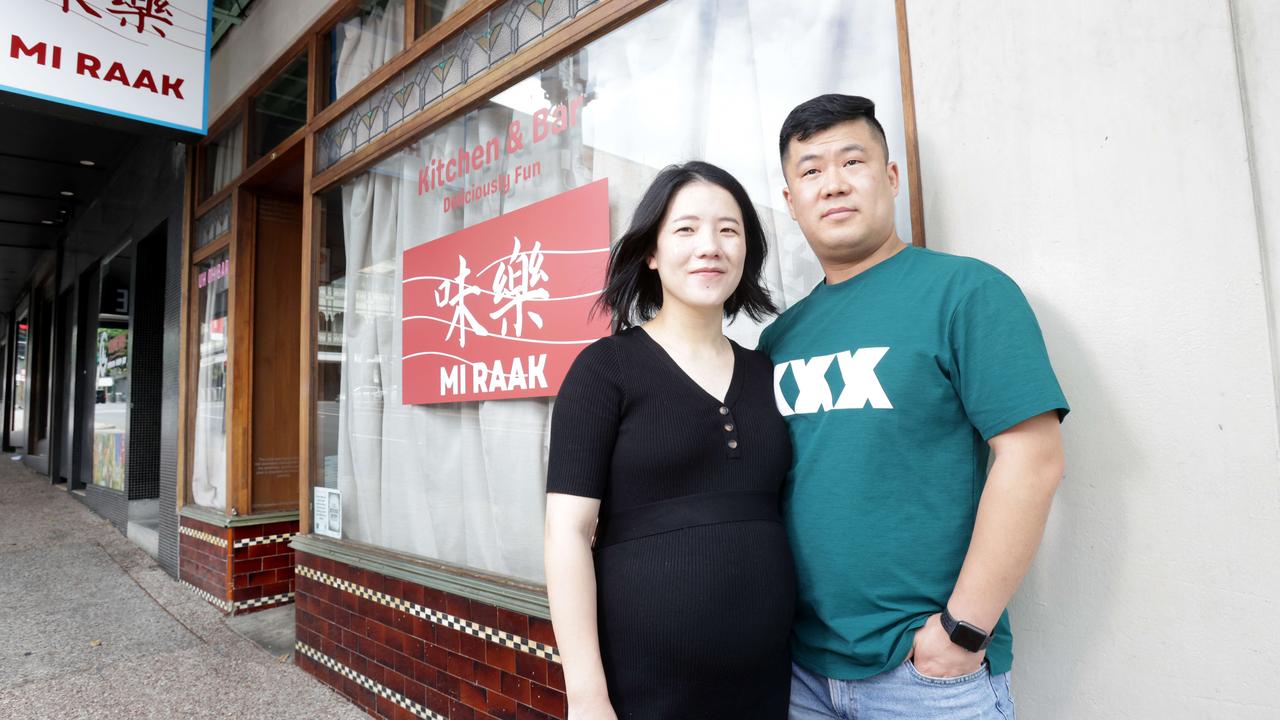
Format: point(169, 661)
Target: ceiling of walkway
point(51, 168)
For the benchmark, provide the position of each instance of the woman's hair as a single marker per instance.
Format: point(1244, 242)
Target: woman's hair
point(633, 291)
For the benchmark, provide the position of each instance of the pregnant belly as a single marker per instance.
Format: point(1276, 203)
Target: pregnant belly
point(714, 601)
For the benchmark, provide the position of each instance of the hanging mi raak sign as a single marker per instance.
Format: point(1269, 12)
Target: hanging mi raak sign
point(501, 309)
point(146, 60)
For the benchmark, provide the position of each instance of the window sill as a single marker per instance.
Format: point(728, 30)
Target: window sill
point(213, 517)
point(507, 594)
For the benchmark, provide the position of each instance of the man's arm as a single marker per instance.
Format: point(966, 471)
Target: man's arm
point(1011, 517)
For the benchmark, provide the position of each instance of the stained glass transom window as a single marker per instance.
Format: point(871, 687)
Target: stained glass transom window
point(497, 34)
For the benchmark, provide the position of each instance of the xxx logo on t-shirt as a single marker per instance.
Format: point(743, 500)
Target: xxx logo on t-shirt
point(861, 386)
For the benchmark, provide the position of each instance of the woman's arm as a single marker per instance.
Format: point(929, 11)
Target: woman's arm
point(571, 588)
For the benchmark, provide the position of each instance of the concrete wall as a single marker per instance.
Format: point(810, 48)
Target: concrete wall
point(269, 28)
point(1256, 22)
point(1099, 152)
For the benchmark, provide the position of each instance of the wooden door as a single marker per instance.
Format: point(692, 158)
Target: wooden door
point(276, 308)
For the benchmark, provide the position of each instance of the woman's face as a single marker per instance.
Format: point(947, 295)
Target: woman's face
point(701, 247)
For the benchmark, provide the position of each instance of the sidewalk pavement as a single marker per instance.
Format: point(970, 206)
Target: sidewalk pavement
point(92, 627)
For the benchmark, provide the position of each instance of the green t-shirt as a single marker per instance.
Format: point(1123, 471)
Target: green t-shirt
point(891, 383)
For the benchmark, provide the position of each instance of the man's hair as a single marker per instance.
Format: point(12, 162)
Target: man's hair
point(826, 111)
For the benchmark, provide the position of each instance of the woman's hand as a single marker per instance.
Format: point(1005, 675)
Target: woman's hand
point(571, 589)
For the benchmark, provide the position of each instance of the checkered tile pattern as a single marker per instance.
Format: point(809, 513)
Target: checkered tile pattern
point(264, 601)
point(202, 535)
point(249, 542)
point(221, 604)
point(483, 632)
point(367, 683)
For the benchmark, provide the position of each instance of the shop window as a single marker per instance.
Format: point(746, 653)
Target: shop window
point(361, 43)
point(111, 387)
point(223, 159)
point(431, 13)
point(463, 482)
point(214, 224)
point(280, 109)
point(209, 440)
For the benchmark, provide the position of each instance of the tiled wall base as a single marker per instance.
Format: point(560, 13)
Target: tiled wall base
point(202, 560)
point(401, 650)
point(238, 569)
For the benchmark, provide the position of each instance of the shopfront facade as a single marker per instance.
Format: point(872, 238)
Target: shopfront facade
point(381, 179)
point(93, 129)
point(396, 232)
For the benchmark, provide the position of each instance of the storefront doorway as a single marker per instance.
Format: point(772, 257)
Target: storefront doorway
point(239, 506)
point(246, 349)
point(275, 201)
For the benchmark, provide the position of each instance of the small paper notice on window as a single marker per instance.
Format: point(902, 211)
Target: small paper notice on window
point(327, 519)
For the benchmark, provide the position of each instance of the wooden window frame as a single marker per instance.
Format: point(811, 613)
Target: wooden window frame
point(240, 239)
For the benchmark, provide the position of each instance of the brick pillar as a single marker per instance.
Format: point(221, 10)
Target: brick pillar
point(238, 569)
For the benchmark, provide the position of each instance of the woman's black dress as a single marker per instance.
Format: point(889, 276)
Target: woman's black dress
point(695, 582)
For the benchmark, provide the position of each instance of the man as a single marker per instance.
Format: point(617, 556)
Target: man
point(900, 376)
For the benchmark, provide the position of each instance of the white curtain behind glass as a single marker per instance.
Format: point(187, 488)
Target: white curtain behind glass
point(369, 222)
point(464, 482)
point(365, 42)
point(228, 154)
point(369, 429)
point(470, 487)
point(653, 108)
point(209, 445)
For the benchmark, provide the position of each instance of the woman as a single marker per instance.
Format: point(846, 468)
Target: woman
point(667, 431)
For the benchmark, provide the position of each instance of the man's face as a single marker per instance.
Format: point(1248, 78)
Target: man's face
point(841, 190)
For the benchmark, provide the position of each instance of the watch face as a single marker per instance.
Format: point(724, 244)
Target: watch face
point(968, 637)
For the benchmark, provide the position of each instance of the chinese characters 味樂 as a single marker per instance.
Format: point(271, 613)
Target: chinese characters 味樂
point(142, 13)
point(515, 283)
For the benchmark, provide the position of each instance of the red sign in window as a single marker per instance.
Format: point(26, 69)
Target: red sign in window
point(501, 309)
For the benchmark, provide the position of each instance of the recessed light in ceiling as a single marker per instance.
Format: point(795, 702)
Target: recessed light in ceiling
point(87, 163)
point(46, 222)
point(67, 193)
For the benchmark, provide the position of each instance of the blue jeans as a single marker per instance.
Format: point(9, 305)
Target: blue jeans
point(901, 694)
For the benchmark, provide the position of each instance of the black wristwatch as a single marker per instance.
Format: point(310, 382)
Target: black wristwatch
point(969, 637)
